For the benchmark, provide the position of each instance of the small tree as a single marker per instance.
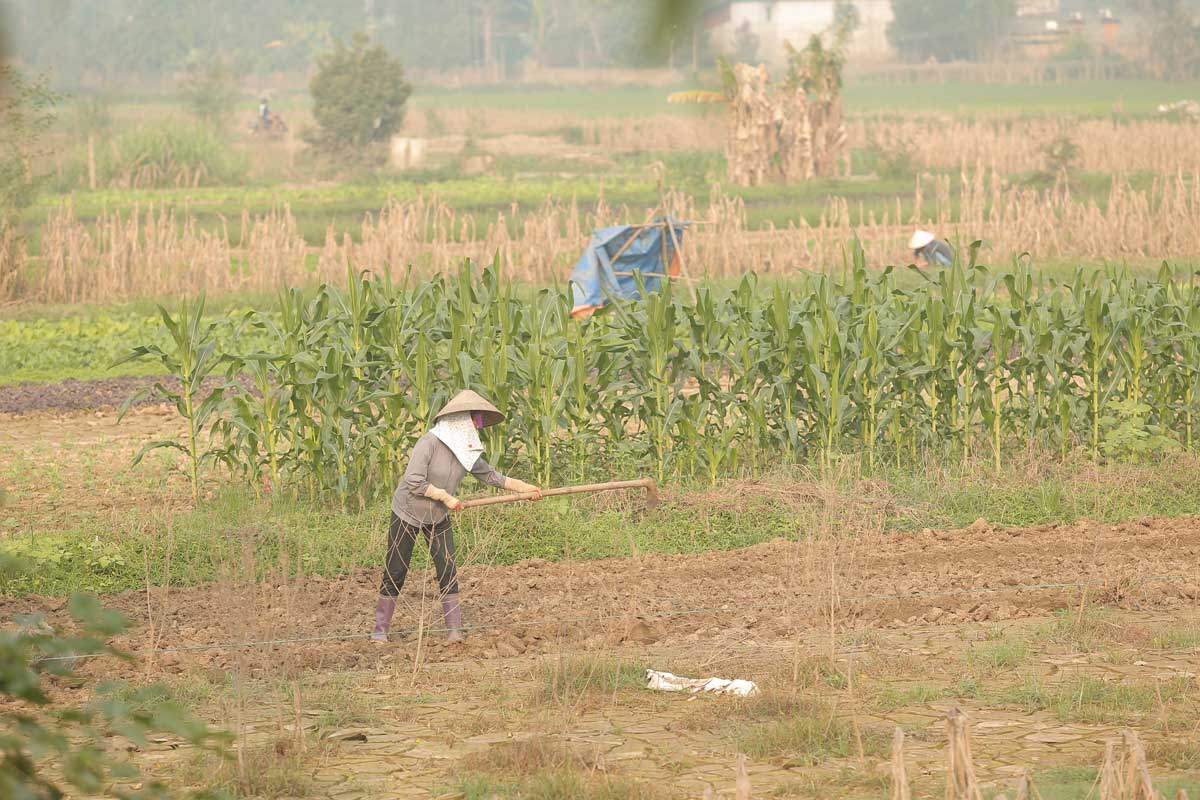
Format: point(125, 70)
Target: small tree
point(211, 90)
point(359, 94)
point(1174, 39)
point(26, 115)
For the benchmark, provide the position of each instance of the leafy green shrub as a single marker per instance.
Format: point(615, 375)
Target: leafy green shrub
point(26, 114)
point(894, 159)
point(359, 94)
point(210, 89)
point(172, 154)
point(1061, 154)
point(1130, 435)
point(38, 731)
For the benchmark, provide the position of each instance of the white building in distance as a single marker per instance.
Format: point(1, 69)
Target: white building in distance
point(773, 22)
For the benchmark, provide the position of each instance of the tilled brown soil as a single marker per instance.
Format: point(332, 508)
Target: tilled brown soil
point(31, 397)
point(763, 593)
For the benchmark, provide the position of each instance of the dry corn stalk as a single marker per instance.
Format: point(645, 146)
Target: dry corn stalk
point(742, 782)
point(900, 787)
point(157, 252)
point(12, 259)
point(961, 783)
point(753, 136)
point(1125, 775)
point(1025, 788)
point(1158, 146)
point(794, 132)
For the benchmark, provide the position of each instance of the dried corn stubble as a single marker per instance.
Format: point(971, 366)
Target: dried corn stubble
point(157, 252)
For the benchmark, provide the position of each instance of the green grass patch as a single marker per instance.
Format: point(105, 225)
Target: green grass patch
point(84, 346)
point(808, 741)
point(922, 694)
point(950, 493)
point(969, 98)
point(999, 655)
point(1087, 630)
point(1177, 639)
point(1090, 700)
point(798, 728)
point(186, 692)
point(1079, 783)
point(340, 702)
point(190, 547)
point(1181, 751)
point(527, 757)
point(558, 785)
point(277, 769)
point(566, 679)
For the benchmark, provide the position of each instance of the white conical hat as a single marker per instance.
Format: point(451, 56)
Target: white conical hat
point(920, 239)
point(469, 401)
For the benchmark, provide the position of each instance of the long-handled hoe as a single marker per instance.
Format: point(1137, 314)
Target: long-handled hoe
point(643, 483)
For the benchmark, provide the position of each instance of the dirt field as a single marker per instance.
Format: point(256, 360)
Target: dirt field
point(421, 707)
point(765, 593)
point(891, 629)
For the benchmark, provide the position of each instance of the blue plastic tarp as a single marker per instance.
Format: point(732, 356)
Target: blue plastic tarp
point(597, 277)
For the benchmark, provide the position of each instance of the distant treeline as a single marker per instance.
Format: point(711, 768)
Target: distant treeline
point(98, 40)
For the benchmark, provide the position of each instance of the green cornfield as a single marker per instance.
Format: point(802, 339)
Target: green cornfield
point(692, 383)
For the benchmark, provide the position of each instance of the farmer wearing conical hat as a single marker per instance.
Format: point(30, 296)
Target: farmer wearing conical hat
point(927, 246)
point(426, 496)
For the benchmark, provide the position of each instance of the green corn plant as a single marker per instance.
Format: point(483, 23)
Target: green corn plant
point(999, 377)
point(829, 368)
point(699, 385)
point(253, 431)
point(1102, 332)
point(1185, 346)
point(192, 359)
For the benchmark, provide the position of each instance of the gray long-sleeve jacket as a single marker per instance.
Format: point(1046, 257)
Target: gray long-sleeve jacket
point(433, 464)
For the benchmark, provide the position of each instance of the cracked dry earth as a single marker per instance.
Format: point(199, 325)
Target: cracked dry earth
point(894, 603)
point(424, 724)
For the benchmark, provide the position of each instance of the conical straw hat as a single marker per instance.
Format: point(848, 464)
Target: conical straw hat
point(919, 239)
point(470, 401)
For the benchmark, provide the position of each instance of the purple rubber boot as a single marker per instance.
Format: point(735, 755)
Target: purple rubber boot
point(383, 618)
point(452, 612)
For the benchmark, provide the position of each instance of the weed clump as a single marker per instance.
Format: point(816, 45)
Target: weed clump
point(565, 680)
point(798, 728)
point(540, 769)
point(274, 769)
point(1091, 700)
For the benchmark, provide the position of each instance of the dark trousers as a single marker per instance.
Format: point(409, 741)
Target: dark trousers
point(401, 538)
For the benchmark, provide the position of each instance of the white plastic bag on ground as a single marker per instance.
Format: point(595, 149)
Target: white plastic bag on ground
point(666, 682)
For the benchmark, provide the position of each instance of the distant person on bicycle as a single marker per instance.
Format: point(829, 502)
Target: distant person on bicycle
point(264, 112)
point(927, 246)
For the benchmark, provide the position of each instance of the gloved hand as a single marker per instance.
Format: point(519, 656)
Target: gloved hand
point(442, 496)
point(521, 487)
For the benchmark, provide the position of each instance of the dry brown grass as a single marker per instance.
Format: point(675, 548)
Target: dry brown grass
point(1010, 146)
point(1157, 146)
point(531, 756)
point(156, 252)
point(1006, 145)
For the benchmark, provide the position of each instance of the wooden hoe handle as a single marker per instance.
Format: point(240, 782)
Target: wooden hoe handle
point(643, 483)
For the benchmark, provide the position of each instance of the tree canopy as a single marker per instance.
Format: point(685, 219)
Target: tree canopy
point(949, 30)
point(90, 40)
point(358, 95)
